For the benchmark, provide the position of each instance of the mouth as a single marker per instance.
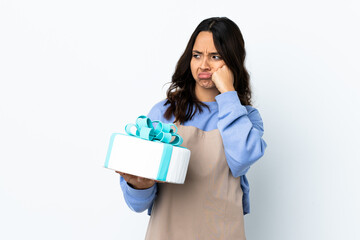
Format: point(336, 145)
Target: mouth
point(204, 75)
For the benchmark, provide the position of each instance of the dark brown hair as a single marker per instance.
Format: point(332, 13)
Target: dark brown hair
point(229, 43)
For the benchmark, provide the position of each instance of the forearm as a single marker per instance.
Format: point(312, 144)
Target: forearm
point(241, 132)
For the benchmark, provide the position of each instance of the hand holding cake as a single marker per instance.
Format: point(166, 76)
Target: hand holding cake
point(137, 182)
point(148, 153)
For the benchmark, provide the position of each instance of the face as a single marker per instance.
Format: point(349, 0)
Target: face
point(205, 60)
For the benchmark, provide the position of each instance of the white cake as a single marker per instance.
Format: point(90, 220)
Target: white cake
point(148, 159)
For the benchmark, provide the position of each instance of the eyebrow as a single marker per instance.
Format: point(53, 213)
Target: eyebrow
point(212, 53)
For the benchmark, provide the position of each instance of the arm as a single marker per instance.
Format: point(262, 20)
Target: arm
point(241, 130)
point(139, 200)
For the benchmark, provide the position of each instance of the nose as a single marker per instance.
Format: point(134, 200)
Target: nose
point(205, 64)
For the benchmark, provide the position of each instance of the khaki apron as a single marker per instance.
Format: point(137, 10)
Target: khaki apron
point(209, 204)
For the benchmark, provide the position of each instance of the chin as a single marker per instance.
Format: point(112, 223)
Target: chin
point(206, 84)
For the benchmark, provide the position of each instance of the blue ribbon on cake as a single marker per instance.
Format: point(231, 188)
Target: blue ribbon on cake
point(163, 132)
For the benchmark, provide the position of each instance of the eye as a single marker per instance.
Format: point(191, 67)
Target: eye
point(217, 57)
point(196, 55)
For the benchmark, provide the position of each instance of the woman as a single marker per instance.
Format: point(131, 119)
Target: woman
point(210, 102)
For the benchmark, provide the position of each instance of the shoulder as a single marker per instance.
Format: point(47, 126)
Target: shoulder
point(160, 104)
point(157, 111)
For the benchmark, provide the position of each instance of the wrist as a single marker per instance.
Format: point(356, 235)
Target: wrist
point(139, 187)
point(228, 90)
point(141, 193)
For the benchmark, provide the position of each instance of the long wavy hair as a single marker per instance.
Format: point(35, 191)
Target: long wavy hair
point(229, 43)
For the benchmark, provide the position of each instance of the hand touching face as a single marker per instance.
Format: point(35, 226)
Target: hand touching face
point(223, 79)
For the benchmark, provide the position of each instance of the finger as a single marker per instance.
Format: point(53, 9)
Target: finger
point(220, 68)
point(148, 180)
point(128, 178)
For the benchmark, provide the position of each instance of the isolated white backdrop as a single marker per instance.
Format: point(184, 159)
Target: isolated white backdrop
point(73, 72)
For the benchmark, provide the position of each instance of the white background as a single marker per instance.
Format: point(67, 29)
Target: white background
point(73, 72)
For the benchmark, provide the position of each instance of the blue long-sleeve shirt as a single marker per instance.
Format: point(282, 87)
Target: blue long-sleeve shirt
point(241, 129)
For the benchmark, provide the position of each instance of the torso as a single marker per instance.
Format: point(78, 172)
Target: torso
point(209, 204)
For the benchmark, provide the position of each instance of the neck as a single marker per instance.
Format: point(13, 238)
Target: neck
point(206, 95)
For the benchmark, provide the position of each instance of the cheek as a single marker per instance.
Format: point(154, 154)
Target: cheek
point(219, 65)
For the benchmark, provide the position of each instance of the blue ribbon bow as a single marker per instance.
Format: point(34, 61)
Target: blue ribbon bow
point(161, 133)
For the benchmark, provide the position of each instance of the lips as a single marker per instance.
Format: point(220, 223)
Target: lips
point(204, 75)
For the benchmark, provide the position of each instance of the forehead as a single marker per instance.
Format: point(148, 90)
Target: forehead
point(204, 42)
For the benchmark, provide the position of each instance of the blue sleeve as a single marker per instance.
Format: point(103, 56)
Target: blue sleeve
point(140, 200)
point(241, 129)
